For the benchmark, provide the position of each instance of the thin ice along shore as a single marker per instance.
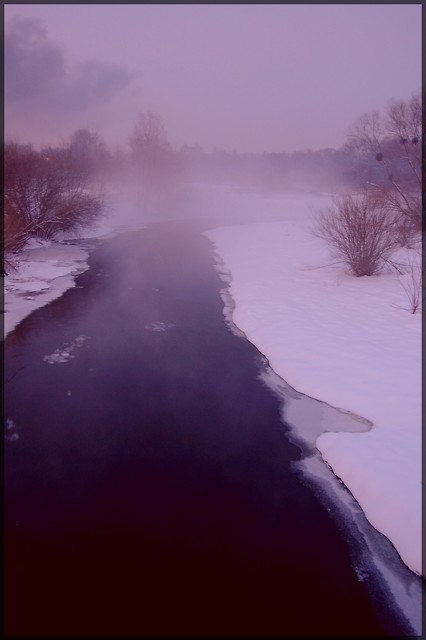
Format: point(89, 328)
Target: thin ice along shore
point(347, 341)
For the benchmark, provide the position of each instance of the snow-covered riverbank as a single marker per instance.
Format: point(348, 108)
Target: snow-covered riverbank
point(43, 271)
point(347, 341)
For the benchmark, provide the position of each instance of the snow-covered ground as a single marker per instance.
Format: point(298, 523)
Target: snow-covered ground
point(43, 271)
point(347, 341)
point(350, 342)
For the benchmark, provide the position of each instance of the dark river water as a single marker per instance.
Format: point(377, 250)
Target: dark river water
point(150, 491)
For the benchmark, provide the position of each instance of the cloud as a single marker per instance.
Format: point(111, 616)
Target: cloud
point(33, 66)
point(39, 80)
point(94, 82)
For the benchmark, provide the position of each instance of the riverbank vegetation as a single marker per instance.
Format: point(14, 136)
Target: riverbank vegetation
point(365, 227)
point(46, 192)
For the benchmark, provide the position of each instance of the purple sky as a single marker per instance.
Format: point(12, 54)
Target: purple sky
point(245, 77)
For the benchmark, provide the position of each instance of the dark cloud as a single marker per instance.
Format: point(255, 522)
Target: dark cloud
point(37, 75)
point(33, 66)
point(94, 82)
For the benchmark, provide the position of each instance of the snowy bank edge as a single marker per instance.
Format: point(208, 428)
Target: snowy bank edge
point(60, 274)
point(411, 555)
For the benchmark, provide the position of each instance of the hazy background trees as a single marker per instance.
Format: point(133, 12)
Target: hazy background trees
point(89, 156)
point(394, 140)
point(154, 161)
point(381, 214)
point(59, 187)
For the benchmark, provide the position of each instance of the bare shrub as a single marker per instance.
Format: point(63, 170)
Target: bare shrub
point(15, 236)
point(16, 232)
point(359, 231)
point(407, 214)
point(42, 197)
point(72, 211)
point(411, 278)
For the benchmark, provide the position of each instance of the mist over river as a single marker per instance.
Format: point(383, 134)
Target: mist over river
point(149, 487)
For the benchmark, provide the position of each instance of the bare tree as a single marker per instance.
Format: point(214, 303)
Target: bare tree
point(394, 139)
point(152, 155)
point(359, 232)
point(88, 155)
point(404, 123)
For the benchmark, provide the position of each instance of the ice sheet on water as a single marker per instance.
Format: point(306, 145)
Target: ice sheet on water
point(376, 555)
point(12, 437)
point(159, 326)
point(361, 573)
point(58, 356)
point(64, 353)
point(228, 309)
point(10, 425)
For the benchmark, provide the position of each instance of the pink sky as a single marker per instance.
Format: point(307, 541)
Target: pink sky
point(246, 77)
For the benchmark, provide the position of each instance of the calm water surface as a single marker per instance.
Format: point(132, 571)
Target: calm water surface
point(150, 491)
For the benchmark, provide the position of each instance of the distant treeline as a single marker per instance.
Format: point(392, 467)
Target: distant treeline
point(323, 169)
point(89, 159)
point(58, 189)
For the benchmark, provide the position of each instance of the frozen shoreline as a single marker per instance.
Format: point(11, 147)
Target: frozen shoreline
point(307, 419)
point(346, 341)
point(44, 271)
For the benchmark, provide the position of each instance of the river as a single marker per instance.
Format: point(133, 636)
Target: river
point(149, 487)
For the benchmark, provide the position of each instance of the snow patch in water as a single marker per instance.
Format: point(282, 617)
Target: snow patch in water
point(159, 326)
point(64, 353)
point(11, 436)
